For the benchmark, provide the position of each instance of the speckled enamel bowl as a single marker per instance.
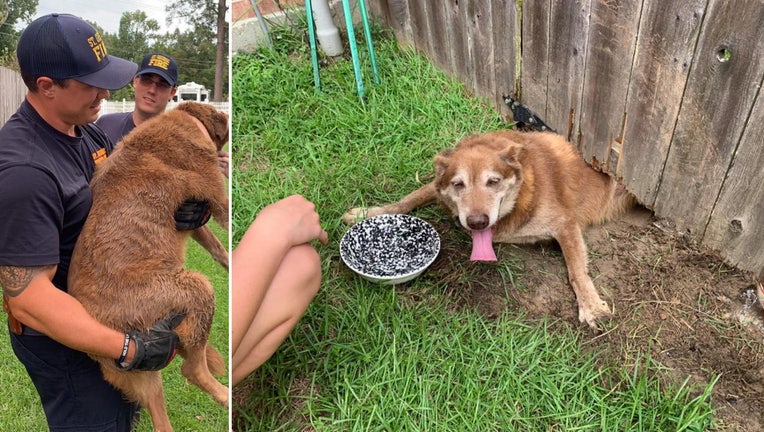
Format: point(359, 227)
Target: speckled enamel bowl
point(390, 249)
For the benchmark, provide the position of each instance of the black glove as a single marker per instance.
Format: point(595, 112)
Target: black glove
point(192, 214)
point(155, 348)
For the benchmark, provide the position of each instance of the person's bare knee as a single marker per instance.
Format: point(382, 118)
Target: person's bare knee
point(304, 263)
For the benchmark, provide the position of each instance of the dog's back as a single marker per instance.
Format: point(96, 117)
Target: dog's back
point(563, 177)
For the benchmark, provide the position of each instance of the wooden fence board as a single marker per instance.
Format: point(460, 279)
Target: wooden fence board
point(463, 41)
point(534, 67)
point(568, 27)
point(715, 107)
point(665, 48)
point(480, 21)
point(420, 28)
point(613, 24)
point(398, 18)
point(13, 92)
point(440, 47)
point(736, 226)
point(505, 52)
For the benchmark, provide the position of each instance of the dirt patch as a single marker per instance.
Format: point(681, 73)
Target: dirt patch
point(672, 298)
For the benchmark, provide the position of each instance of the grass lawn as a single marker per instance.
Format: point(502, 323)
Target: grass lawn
point(367, 357)
point(189, 408)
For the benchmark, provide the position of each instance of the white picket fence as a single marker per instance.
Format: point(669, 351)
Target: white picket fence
point(108, 107)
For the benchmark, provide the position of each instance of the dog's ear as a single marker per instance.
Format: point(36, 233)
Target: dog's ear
point(441, 162)
point(512, 153)
point(216, 122)
point(218, 129)
point(511, 156)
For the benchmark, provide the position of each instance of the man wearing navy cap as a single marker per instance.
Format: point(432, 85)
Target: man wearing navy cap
point(155, 84)
point(48, 154)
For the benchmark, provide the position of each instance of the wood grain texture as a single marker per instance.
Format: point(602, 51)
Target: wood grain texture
point(399, 20)
point(715, 107)
point(665, 49)
point(535, 60)
point(506, 35)
point(737, 222)
point(483, 56)
point(568, 30)
point(420, 27)
point(613, 24)
point(440, 37)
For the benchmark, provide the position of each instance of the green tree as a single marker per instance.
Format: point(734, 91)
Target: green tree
point(136, 36)
point(14, 12)
point(193, 52)
point(209, 16)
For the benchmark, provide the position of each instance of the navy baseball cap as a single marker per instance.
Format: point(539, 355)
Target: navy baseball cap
point(160, 64)
point(62, 46)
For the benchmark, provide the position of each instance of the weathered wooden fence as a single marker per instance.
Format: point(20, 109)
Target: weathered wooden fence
point(665, 95)
point(12, 92)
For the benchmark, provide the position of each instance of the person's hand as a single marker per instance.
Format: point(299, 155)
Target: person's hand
point(192, 214)
point(223, 162)
point(155, 348)
point(295, 218)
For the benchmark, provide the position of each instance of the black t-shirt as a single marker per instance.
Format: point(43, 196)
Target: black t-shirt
point(116, 125)
point(44, 189)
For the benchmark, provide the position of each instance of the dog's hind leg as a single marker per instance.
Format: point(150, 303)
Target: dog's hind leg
point(144, 388)
point(421, 197)
point(198, 368)
point(194, 331)
point(590, 306)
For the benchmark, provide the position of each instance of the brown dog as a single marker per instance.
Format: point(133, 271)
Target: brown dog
point(127, 268)
point(515, 187)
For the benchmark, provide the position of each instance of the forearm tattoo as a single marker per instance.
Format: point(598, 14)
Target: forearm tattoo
point(15, 280)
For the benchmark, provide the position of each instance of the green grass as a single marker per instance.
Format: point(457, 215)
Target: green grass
point(367, 357)
point(189, 408)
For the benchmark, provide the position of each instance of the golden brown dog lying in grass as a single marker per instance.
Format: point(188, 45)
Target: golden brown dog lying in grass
point(517, 187)
point(127, 268)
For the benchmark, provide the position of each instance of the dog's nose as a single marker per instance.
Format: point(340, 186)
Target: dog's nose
point(478, 222)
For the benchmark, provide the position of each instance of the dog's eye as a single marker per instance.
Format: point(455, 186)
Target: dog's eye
point(457, 184)
point(493, 181)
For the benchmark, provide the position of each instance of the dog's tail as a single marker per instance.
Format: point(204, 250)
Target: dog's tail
point(215, 362)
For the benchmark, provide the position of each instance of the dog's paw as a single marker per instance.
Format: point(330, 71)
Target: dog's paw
point(355, 215)
point(358, 214)
point(596, 311)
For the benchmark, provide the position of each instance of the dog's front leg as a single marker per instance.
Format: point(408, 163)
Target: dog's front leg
point(423, 196)
point(590, 306)
point(205, 237)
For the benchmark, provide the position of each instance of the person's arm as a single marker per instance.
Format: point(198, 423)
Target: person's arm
point(34, 301)
point(277, 228)
point(223, 162)
point(37, 303)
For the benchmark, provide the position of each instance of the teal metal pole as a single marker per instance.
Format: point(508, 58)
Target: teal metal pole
point(313, 49)
point(369, 43)
point(353, 47)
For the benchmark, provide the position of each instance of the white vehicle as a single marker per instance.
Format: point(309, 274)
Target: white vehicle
point(191, 91)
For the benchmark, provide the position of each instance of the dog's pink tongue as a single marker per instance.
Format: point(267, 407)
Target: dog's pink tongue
point(482, 246)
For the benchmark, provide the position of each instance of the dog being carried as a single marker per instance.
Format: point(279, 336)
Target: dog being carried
point(127, 268)
point(521, 187)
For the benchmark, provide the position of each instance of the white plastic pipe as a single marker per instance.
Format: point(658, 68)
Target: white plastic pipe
point(326, 32)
